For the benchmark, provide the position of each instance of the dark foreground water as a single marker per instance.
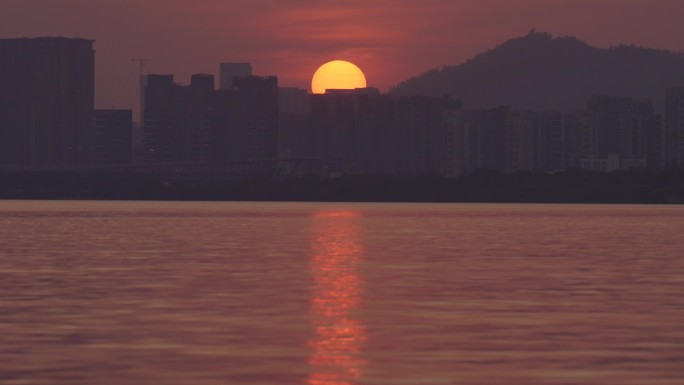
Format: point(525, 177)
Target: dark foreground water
point(340, 294)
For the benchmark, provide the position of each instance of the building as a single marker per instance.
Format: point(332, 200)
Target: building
point(194, 118)
point(612, 163)
point(674, 126)
point(180, 121)
point(161, 133)
point(197, 123)
point(523, 145)
point(351, 133)
point(608, 164)
point(363, 132)
point(112, 137)
point(420, 127)
point(252, 121)
point(553, 133)
point(229, 71)
point(46, 101)
point(536, 141)
point(620, 126)
point(294, 100)
point(509, 141)
point(295, 138)
point(479, 139)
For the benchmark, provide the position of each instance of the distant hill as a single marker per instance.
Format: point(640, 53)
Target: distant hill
point(539, 71)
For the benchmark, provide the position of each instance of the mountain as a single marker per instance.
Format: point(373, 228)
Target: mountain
point(539, 71)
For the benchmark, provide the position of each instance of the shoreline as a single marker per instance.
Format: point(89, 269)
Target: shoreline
point(638, 186)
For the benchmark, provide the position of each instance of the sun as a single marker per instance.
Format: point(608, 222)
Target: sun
point(337, 75)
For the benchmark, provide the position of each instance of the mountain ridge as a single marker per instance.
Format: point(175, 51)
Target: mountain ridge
point(540, 71)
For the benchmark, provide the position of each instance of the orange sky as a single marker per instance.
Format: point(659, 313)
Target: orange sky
point(389, 39)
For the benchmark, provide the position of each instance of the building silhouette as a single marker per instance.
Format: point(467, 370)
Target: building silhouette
point(229, 71)
point(538, 141)
point(47, 120)
point(194, 119)
point(674, 126)
point(197, 123)
point(344, 127)
point(112, 137)
point(161, 130)
point(477, 139)
point(46, 101)
point(179, 122)
point(420, 127)
point(611, 133)
point(621, 127)
point(295, 137)
point(252, 124)
point(363, 132)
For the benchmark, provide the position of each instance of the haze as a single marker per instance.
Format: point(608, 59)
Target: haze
point(390, 40)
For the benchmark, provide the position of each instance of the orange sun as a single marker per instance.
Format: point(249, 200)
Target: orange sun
point(337, 75)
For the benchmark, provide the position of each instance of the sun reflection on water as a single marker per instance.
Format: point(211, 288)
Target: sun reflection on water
point(338, 336)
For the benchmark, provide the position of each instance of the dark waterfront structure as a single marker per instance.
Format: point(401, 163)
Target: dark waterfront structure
point(252, 124)
point(611, 133)
point(674, 126)
point(347, 130)
point(618, 129)
point(46, 101)
point(179, 121)
point(161, 132)
point(229, 71)
point(295, 137)
point(364, 132)
point(477, 139)
point(536, 141)
point(195, 119)
point(112, 137)
point(197, 123)
point(508, 141)
point(47, 119)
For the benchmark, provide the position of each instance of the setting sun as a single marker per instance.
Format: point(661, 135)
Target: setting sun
point(337, 74)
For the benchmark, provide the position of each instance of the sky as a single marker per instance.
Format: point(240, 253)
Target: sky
point(390, 40)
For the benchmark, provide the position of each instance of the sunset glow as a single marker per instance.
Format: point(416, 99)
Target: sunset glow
point(339, 75)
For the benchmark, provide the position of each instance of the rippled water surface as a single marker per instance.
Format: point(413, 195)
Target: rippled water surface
point(340, 294)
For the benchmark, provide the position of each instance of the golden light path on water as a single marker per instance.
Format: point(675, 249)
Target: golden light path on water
point(338, 336)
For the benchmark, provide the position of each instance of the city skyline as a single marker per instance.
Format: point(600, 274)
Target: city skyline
point(291, 40)
point(47, 111)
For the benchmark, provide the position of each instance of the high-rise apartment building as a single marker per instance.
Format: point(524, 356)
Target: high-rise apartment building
point(112, 137)
point(46, 101)
point(535, 141)
point(625, 127)
point(179, 121)
point(674, 126)
point(229, 71)
point(479, 139)
point(252, 131)
point(295, 138)
point(195, 118)
point(509, 141)
point(196, 123)
point(363, 132)
point(161, 134)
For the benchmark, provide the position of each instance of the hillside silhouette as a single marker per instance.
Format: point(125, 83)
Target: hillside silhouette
point(540, 71)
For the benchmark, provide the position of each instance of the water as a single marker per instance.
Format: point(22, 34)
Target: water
point(340, 294)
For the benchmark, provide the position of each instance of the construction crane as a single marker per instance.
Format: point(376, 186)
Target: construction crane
point(142, 65)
